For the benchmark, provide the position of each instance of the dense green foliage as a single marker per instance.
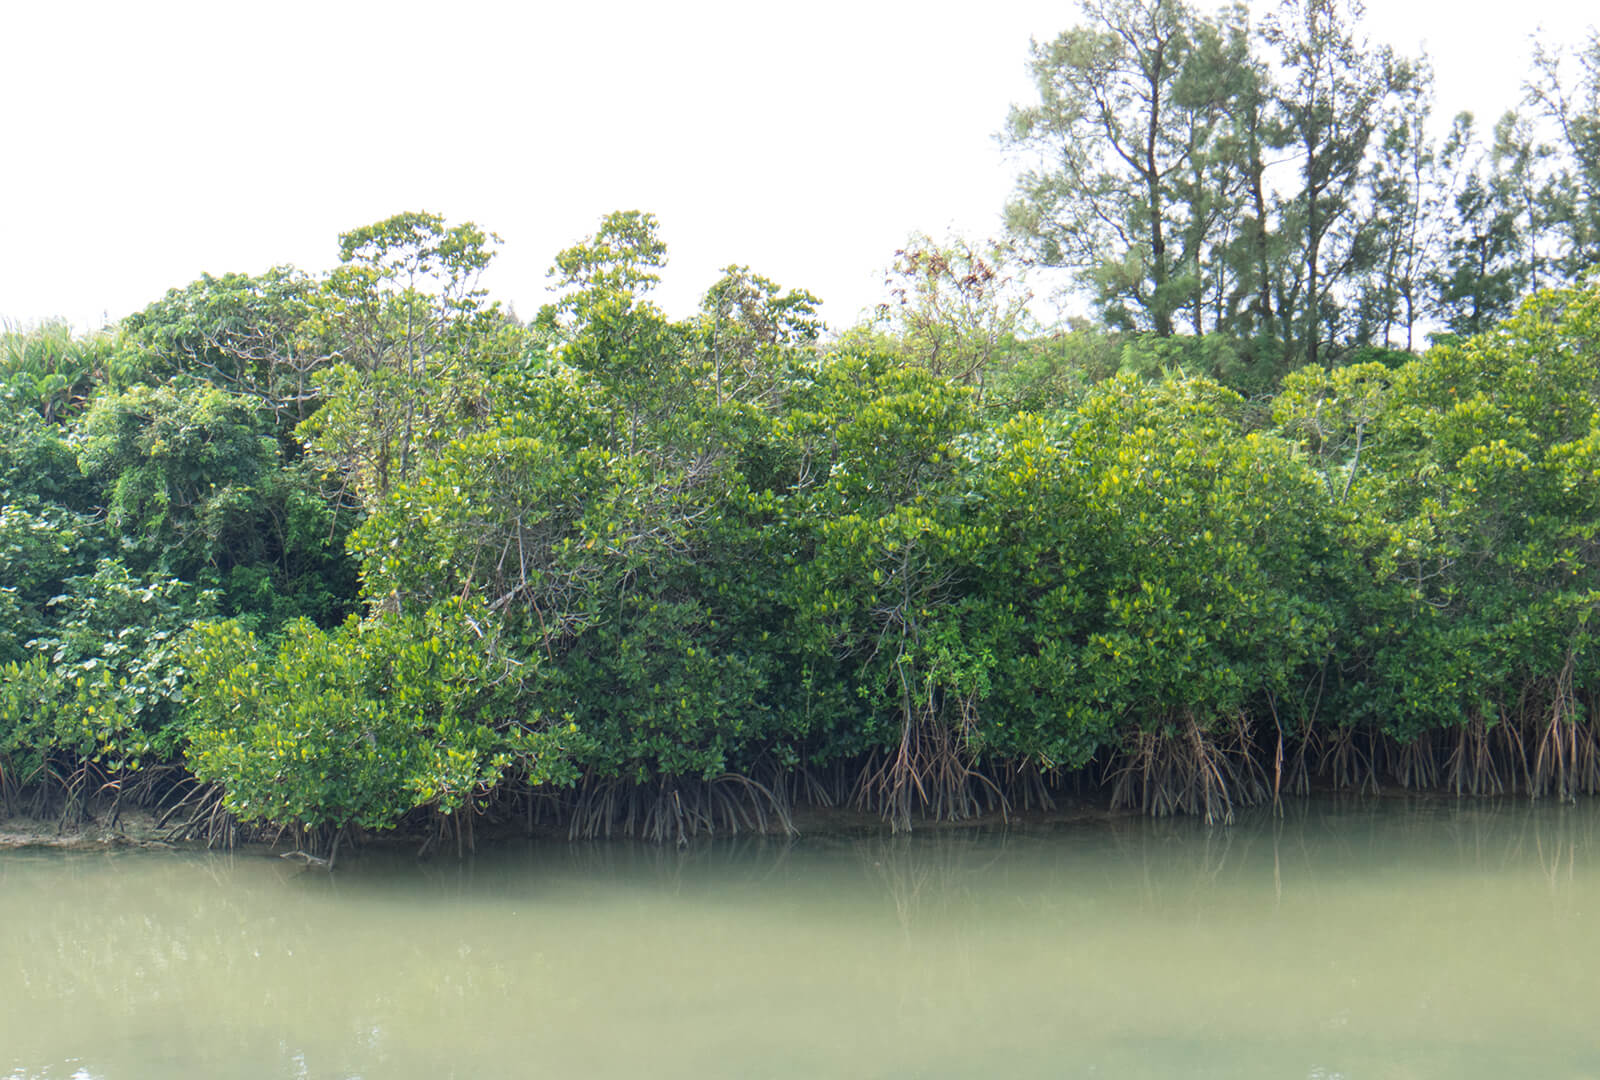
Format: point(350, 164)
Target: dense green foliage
point(360, 724)
point(1281, 185)
point(362, 549)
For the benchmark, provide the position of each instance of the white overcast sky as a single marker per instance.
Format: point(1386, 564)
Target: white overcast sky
point(148, 142)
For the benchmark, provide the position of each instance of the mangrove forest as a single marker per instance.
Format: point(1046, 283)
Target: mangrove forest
point(1306, 493)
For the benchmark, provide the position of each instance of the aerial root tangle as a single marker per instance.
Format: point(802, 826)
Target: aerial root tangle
point(76, 785)
point(1413, 764)
point(1471, 768)
point(1028, 786)
point(1183, 769)
point(1566, 760)
point(801, 785)
point(677, 810)
point(1297, 773)
point(457, 823)
point(63, 785)
point(200, 815)
point(930, 772)
point(1349, 760)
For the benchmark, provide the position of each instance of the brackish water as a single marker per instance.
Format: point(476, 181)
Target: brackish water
point(1382, 939)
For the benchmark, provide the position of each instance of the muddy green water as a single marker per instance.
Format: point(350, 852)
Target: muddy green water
point(1382, 939)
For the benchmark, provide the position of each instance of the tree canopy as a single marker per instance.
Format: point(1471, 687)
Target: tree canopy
point(360, 550)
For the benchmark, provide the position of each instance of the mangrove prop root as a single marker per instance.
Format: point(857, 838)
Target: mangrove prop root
point(200, 815)
point(930, 772)
point(1471, 768)
point(1028, 787)
point(1183, 769)
point(807, 787)
point(1567, 760)
point(1297, 774)
point(677, 810)
point(1413, 764)
point(1350, 760)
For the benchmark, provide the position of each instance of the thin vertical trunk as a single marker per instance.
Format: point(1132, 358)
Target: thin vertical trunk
point(1313, 249)
point(1152, 175)
point(1259, 196)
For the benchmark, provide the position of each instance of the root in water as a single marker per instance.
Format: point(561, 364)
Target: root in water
point(198, 814)
point(1028, 786)
point(676, 810)
point(1471, 768)
point(1413, 764)
point(1183, 769)
point(931, 771)
point(1566, 760)
point(1349, 759)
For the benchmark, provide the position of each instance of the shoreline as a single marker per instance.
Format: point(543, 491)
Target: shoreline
point(138, 829)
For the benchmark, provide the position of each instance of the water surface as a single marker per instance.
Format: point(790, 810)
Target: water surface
point(1382, 939)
